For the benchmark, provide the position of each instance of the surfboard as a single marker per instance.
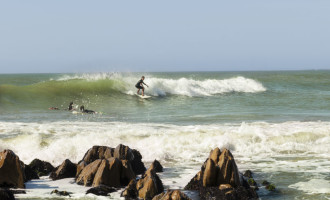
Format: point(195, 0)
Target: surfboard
point(143, 97)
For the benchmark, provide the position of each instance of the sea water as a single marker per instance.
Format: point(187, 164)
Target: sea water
point(275, 123)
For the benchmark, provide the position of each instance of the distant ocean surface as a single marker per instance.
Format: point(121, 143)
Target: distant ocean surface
point(275, 123)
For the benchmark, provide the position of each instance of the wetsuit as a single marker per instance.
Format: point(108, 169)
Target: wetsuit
point(139, 84)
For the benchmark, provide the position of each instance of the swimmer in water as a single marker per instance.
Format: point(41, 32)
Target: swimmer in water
point(83, 110)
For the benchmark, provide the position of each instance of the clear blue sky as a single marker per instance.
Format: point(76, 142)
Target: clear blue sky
point(181, 35)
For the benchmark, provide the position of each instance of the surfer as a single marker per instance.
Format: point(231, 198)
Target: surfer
point(139, 86)
point(83, 110)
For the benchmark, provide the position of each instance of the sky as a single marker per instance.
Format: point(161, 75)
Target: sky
point(39, 36)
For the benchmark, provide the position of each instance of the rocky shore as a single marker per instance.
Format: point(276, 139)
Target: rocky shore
point(107, 170)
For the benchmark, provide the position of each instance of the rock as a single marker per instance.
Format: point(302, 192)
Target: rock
point(172, 195)
point(86, 177)
point(66, 170)
point(98, 152)
point(248, 174)
point(156, 166)
point(42, 168)
point(6, 194)
point(210, 174)
point(219, 178)
point(108, 173)
point(146, 188)
point(81, 165)
point(225, 187)
point(137, 164)
point(228, 173)
point(270, 187)
point(194, 183)
point(101, 190)
point(11, 170)
point(29, 173)
point(127, 173)
point(265, 183)
point(61, 193)
point(252, 182)
point(121, 152)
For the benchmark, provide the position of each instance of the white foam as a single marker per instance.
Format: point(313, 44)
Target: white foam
point(313, 186)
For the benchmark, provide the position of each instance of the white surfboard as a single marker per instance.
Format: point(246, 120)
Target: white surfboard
point(143, 97)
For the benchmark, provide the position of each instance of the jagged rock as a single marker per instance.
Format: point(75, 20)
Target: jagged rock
point(11, 170)
point(219, 178)
point(61, 193)
point(121, 152)
point(156, 166)
point(265, 183)
point(108, 173)
point(172, 195)
point(6, 194)
point(29, 173)
point(127, 173)
point(98, 152)
point(42, 168)
point(146, 188)
point(86, 177)
point(137, 164)
point(66, 170)
point(248, 174)
point(101, 190)
point(270, 187)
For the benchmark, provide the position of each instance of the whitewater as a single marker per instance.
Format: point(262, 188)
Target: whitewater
point(275, 123)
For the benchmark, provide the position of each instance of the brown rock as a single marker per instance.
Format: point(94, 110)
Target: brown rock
point(225, 186)
point(123, 152)
point(42, 168)
point(81, 165)
point(98, 152)
point(146, 188)
point(101, 190)
point(11, 170)
point(86, 177)
point(194, 183)
point(127, 173)
point(210, 174)
point(228, 173)
point(214, 155)
point(172, 195)
point(66, 170)
point(29, 173)
point(137, 164)
point(156, 166)
point(108, 173)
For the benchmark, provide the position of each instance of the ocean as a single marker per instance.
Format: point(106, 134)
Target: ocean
point(276, 124)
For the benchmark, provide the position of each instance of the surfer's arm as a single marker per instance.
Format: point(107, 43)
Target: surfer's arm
point(145, 84)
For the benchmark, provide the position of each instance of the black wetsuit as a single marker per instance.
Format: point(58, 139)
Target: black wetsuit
point(139, 84)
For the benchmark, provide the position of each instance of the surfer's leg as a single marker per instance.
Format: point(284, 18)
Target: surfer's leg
point(138, 91)
point(142, 91)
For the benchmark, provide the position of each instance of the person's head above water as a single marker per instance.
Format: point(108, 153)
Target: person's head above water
point(82, 108)
point(142, 77)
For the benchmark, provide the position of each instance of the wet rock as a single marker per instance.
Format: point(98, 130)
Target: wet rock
point(127, 173)
point(248, 174)
point(61, 193)
point(29, 173)
point(81, 165)
point(108, 173)
point(146, 188)
point(156, 166)
point(86, 177)
point(98, 152)
point(6, 194)
point(219, 178)
point(172, 195)
point(42, 168)
point(66, 170)
point(137, 164)
point(11, 170)
point(270, 187)
point(264, 183)
point(123, 152)
point(101, 190)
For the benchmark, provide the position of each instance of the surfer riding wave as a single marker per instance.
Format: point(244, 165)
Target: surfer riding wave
point(139, 85)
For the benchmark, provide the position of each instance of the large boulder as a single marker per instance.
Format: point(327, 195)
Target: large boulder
point(121, 152)
point(6, 194)
point(172, 195)
point(101, 190)
point(66, 170)
point(219, 178)
point(42, 168)
point(29, 173)
point(147, 187)
point(11, 170)
point(111, 172)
